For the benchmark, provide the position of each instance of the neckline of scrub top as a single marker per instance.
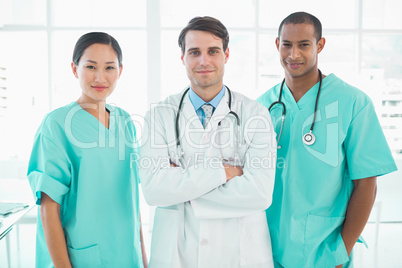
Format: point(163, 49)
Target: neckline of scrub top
point(306, 100)
point(92, 120)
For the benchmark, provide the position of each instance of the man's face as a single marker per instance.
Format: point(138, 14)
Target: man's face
point(298, 49)
point(205, 60)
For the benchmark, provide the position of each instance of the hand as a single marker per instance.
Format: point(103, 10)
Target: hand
point(232, 171)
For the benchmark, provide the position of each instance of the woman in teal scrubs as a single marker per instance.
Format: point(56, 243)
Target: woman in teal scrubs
point(83, 170)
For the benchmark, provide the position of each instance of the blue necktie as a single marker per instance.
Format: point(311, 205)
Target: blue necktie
point(208, 113)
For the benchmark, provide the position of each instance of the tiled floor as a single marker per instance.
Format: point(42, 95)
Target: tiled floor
point(387, 254)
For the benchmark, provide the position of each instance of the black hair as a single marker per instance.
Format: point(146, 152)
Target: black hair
point(303, 17)
point(206, 24)
point(95, 38)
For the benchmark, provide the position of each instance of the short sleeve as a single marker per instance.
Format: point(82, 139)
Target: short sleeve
point(367, 151)
point(48, 170)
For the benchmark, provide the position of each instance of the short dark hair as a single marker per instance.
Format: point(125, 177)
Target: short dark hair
point(303, 17)
point(95, 38)
point(206, 24)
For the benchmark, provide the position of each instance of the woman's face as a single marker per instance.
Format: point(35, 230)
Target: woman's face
point(98, 71)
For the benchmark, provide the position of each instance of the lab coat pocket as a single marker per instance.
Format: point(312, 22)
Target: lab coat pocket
point(164, 236)
point(324, 245)
point(85, 257)
point(255, 241)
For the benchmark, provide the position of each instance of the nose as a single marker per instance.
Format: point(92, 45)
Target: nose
point(294, 52)
point(204, 59)
point(100, 76)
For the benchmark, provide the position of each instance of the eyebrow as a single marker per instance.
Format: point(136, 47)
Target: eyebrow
point(196, 48)
point(109, 62)
point(301, 41)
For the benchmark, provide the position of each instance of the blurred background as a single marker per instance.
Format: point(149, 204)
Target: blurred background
point(364, 48)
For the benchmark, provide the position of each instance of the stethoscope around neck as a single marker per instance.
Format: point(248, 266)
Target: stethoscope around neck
point(308, 138)
point(177, 129)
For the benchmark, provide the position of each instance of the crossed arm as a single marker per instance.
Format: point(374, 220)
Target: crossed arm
point(230, 171)
point(214, 192)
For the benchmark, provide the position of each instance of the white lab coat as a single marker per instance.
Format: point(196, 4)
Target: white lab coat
point(202, 220)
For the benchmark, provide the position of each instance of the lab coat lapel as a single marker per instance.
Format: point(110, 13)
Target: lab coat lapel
point(188, 113)
point(191, 124)
point(220, 112)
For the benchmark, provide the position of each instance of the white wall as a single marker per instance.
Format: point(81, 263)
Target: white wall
point(390, 196)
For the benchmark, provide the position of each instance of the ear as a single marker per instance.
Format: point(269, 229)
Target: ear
point(226, 55)
point(182, 57)
point(277, 43)
point(74, 69)
point(121, 69)
point(320, 45)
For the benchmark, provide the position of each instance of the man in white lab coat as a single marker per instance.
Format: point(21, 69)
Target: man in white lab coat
point(207, 162)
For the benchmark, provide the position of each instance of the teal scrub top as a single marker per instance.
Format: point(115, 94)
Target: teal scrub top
point(92, 172)
point(313, 184)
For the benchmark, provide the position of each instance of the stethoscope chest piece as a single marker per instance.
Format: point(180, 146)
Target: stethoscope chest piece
point(309, 138)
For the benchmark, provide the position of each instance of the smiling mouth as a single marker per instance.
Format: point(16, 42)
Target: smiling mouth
point(99, 88)
point(294, 65)
point(204, 71)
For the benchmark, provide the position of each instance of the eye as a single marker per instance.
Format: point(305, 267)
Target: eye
point(194, 53)
point(90, 67)
point(286, 45)
point(110, 68)
point(304, 45)
point(213, 51)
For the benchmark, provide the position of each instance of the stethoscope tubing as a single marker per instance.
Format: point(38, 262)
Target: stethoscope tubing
point(279, 101)
point(177, 130)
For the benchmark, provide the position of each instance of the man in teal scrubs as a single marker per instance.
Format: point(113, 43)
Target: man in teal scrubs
point(324, 190)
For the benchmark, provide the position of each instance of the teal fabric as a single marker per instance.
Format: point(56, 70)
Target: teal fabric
point(313, 184)
point(92, 172)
